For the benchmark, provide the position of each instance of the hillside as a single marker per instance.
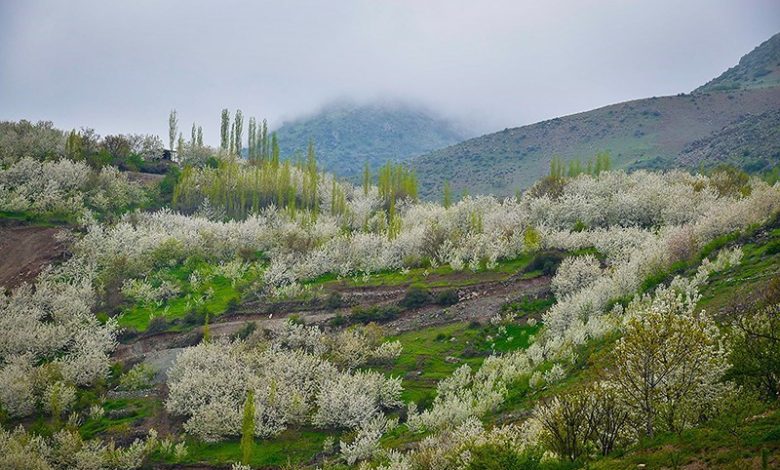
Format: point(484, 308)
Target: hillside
point(645, 133)
point(759, 68)
point(347, 135)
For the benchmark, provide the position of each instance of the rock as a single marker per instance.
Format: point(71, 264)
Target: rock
point(451, 359)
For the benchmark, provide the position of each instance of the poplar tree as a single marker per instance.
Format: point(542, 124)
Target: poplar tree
point(180, 146)
point(224, 129)
point(231, 139)
point(252, 140)
point(248, 428)
point(274, 150)
point(200, 137)
point(264, 141)
point(194, 136)
point(173, 124)
point(447, 195)
point(239, 131)
point(366, 179)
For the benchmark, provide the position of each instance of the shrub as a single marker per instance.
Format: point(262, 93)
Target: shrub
point(334, 301)
point(447, 297)
point(246, 330)
point(157, 325)
point(491, 456)
point(138, 378)
point(547, 262)
point(376, 313)
point(416, 297)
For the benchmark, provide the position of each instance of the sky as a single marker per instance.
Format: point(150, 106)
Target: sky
point(121, 66)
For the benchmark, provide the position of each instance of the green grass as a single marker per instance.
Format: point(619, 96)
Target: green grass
point(705, 447)
point(760, 264)
point(293, 447)
point(44, 220)
point(133, 411)
point(423, 361)
point(222, 294)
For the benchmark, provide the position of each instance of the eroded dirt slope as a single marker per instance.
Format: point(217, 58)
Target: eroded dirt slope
point(25, 250)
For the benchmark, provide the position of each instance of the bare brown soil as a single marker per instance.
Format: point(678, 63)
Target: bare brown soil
point(25, 250)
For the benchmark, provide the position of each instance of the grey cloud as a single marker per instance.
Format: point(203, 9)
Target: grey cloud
point(121, 66)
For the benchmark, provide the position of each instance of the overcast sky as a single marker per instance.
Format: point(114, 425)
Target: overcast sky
point(120, 66)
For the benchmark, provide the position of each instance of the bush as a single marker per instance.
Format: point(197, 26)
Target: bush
point(547, 262)
point(334, 301)
point(157, 325)
point(138, 378)
point(416, 297)
point(496, 457)
point(376, 313)
point(447, 297)
point(246, 330)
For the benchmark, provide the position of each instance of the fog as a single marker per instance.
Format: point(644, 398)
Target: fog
point(121, 66)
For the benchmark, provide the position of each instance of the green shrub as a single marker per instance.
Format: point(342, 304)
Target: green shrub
point(138, 378)
point(157, 325)
point(376, 313)
point(499, 457)
point(334, 301)
point(416, 297)
point(246, 330)
point(547, 262)
point(447, 297)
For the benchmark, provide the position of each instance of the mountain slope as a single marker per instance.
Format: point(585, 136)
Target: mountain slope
point(646, 133)
point(752, 142)
point(347, 135)
point(759, 68)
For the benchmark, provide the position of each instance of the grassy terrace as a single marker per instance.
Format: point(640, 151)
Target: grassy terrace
point(440, 276)
point(432, 354)
point(216, 294)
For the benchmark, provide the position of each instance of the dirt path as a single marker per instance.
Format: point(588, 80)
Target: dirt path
point(25, 250)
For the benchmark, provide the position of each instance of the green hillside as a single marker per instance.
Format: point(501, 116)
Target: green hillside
point(656, 133)
point(347, 135)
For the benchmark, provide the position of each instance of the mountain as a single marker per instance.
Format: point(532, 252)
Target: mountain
point(346, 135)
point(658, 132)
point(759, 68)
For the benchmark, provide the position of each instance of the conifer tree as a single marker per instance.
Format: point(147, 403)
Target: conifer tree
point(173, 123)
point(248, 428)
point(224, 129)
